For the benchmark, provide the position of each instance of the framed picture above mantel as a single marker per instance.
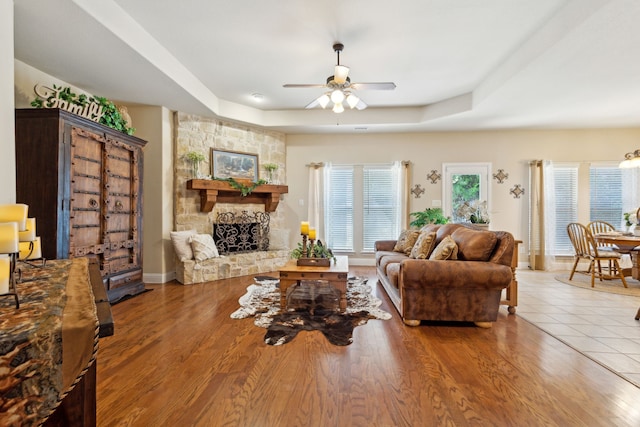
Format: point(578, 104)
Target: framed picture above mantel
point(234, 164)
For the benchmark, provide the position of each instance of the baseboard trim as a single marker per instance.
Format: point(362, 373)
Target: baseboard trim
point(158, 277)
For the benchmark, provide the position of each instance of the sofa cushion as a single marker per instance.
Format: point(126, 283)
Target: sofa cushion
point(406, 241)
point(393, 271)
point(424, 245)
point(181, 245)
point(390, 259)
point(203, 247)
point(446, 249)
point(382, 254)
point(474, 245)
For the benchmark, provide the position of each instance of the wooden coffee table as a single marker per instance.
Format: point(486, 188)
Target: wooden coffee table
point(336, 274)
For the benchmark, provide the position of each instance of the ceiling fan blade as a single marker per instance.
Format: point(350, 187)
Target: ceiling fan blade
point(373, 86)
point(303, 85)
point(361, 105)
point(312, 104)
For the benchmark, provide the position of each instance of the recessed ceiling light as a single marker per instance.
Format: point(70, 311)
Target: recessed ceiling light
point(258, 97)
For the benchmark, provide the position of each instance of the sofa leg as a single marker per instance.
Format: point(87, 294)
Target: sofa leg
point(410, 322)
point(485, 325)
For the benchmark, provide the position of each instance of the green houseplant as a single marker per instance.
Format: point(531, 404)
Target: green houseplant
point(428, 216)
point(319, 251)
point(194, 157)
point(270, 168)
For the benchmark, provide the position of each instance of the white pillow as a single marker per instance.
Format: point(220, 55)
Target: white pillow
point(203, 247)
point(278, 240)
point(181, 244)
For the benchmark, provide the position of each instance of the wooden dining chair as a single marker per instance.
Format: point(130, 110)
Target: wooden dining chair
point(599, 226)
point(586, 249)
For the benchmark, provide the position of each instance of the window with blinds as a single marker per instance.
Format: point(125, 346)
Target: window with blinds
point(612, 192)
point(380, 205)
point(605, 200)
point(362, 206)
point(566, 201)
point(339, 211)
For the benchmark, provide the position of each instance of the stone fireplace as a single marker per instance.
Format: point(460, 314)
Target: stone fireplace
point(201, 134)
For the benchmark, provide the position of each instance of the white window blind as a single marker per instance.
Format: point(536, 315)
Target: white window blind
point(363, 204)
point(380, 207)
point(339, 211)
point(605, 202)
point(566, 199)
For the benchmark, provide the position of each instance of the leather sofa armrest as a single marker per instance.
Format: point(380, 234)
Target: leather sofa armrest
point(419, 274)
point(385, 245)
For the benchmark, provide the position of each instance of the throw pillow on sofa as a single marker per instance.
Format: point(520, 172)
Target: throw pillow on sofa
point(181, 244)
point(406, 241)
point(446, 249)
point(424, 245)
point(203, 247)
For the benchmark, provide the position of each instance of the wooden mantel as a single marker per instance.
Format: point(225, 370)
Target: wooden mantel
point(214, 191)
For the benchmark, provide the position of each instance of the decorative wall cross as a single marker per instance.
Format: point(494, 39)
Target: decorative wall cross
point(417, 190)
point(517, 191)
point(434, 176)
point(500, 176)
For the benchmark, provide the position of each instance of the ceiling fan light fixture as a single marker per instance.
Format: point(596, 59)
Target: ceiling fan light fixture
point(352, 100)
point(631, 160)
point(340, 74)
point(323, 100)
point(339, 87)
point(337, 96)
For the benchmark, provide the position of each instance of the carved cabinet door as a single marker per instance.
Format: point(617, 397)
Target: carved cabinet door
point(87, 198)
point(104, 204)
point(121, 186)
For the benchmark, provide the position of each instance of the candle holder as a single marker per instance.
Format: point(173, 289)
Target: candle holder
point(311, 251)
point(308, 259)
point(304, 246)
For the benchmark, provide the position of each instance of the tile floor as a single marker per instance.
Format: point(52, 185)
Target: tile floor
point(598, 324)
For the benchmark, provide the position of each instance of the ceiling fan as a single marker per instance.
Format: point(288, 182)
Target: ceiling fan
point(341, 89)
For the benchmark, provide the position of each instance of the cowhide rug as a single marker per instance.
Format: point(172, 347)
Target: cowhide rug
point(262, 301)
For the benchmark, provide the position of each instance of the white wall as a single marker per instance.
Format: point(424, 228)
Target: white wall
point(508, 150)
point(7, 115)
point(154, 124)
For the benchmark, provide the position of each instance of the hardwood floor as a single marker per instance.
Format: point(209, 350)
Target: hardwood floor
point(177, 358)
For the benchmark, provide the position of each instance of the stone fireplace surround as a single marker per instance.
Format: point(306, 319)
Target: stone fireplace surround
point(196, 133)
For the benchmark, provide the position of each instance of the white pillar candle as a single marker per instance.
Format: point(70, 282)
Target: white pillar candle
point(26, 252)
point(5, 269)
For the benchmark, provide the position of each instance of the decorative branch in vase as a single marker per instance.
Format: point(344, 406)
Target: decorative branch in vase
point(194, 158)
point(270, 168)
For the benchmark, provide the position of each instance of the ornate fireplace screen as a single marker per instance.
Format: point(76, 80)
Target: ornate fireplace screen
point(244, 232)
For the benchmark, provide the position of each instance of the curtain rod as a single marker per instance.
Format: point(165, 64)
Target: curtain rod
point(321, 164)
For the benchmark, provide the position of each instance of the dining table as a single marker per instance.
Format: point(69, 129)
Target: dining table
point(625, 243)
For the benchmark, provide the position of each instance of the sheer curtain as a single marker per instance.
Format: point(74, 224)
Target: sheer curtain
point(542, 216)
point(315, 204)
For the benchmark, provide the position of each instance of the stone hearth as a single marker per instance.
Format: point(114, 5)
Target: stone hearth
point(235, 265)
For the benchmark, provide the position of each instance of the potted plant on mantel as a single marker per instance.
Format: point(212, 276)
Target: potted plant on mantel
point(270, 168)
point(194, 158)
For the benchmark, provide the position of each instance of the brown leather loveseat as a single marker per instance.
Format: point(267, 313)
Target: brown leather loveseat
point(467, 288)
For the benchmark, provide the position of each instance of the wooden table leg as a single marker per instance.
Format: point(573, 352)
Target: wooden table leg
point(284, 285)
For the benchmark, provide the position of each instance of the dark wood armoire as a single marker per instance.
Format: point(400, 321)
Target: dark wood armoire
point(83, 184)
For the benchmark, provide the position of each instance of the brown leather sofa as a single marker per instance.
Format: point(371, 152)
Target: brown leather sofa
point(467, 289)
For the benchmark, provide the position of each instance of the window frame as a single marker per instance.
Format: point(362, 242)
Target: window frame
point(467, 168)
